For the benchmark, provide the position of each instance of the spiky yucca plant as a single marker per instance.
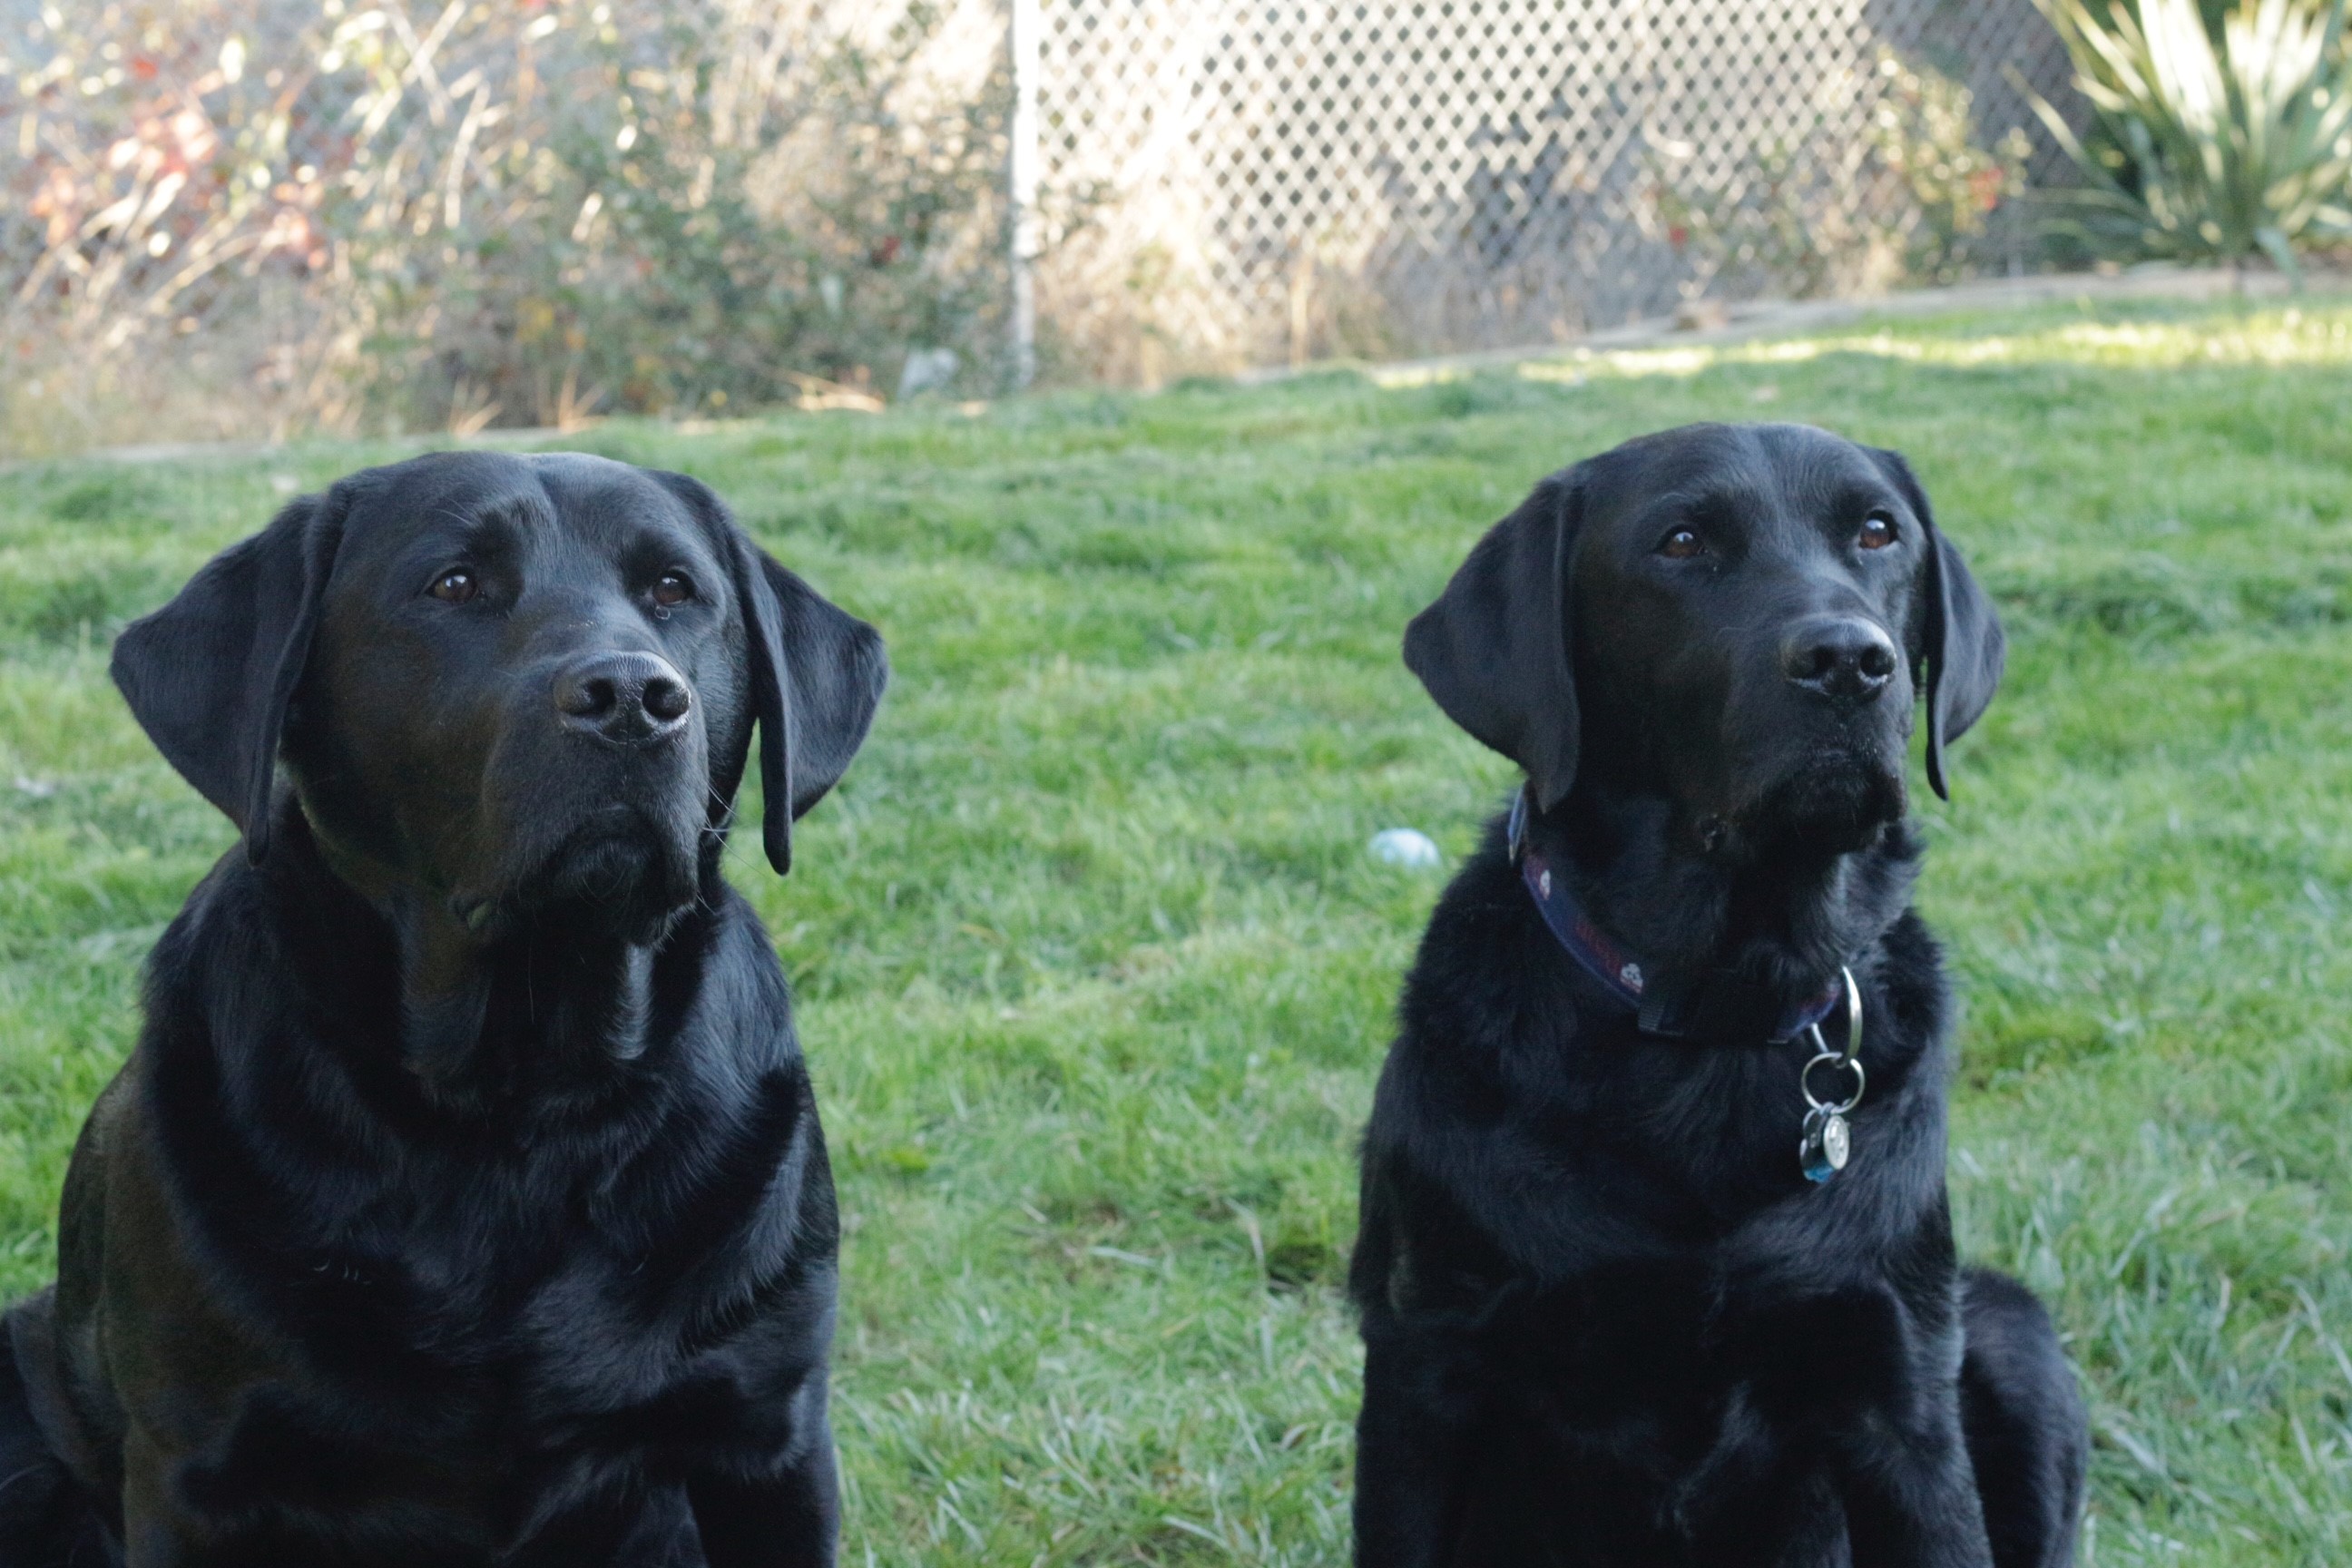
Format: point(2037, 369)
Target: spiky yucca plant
point(2207, 151)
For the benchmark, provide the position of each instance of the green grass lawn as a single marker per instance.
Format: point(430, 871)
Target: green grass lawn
point(1095, 973)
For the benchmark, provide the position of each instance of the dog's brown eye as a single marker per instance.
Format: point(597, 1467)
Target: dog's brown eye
point(1877, 533)
point(672, 590)
point(456, 587)
point(1682, 545)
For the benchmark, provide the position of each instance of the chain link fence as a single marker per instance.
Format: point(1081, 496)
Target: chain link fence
point(230, 216)
point(1235, 182)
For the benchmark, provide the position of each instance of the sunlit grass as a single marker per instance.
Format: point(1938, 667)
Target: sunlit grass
point(2292, 335)
point(1095, 973)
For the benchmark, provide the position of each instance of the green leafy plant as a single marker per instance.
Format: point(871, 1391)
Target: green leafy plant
point(2206, 148)
point(238, 217)
point(634, 248)
point(1909, 201)
point(1923, 134)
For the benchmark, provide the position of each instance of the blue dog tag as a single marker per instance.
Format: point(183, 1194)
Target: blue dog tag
point(1826, 1145)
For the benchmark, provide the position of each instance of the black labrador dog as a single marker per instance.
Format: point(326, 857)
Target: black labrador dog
point(464, 1200)
point(1621, 1303)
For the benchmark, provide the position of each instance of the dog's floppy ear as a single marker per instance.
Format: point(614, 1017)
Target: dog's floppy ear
point(1960, 642)
point(817, 672)
point(1495, 649)
point(209, 676)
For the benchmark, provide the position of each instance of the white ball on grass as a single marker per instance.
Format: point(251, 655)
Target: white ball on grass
point(1406, 846)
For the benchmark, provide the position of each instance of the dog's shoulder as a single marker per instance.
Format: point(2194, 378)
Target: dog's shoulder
point(735, 987)
point(1914, 993)
point(1481, 1022)
point(1483, 987)
point(1481, 1078)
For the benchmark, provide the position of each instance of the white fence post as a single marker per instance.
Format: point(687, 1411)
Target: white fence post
point(1024, 37)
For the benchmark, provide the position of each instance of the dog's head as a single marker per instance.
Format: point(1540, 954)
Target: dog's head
point(508, 683)
point(1736, 617)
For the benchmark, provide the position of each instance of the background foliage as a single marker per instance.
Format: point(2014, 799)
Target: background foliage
point(2218, 133)
point(1096, 973)
point(353, 215)
point(1930, 189)
point(253, 217)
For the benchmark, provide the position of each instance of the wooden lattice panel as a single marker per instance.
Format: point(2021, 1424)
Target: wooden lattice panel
point(1466, 172)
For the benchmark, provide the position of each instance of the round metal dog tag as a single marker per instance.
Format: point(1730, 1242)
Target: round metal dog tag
point(1826, 1143)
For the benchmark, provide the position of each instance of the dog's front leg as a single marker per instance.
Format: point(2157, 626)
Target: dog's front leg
point(155, 1532)
point(790, 1517)
point(1911, 1498)
point(1409, 1440)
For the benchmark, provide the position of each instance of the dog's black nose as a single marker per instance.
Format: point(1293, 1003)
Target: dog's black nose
point(1841, 656)
point(629, 698)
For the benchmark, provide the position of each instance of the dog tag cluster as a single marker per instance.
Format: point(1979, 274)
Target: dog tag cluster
point(1826, 1145)
point(1827, 1141)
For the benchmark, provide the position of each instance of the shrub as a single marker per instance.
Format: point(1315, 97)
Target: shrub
point(248, 216)
point(646, 233)
point(1909, 202)
point(2208, 145)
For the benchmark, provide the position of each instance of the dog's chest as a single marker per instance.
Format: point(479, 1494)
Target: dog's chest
point(509, 1302)
point(493, 1373)
point(1663, 1391)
